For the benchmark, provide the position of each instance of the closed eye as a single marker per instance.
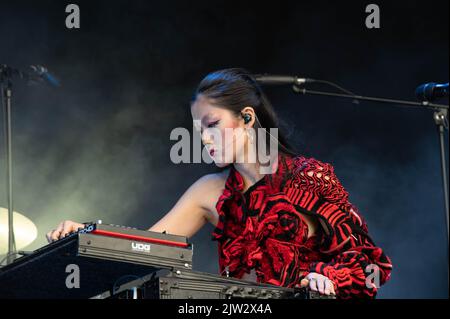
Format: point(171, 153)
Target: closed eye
point(213, 124)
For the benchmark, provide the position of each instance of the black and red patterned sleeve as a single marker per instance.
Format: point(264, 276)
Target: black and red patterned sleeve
point(351, 259)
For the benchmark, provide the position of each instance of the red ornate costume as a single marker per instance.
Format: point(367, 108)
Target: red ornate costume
point(263, 230)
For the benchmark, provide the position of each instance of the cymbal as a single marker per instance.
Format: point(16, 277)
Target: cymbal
point(25, 232)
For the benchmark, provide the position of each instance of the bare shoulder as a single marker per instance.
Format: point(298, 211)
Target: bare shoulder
point(211, 186)
point(213, 179)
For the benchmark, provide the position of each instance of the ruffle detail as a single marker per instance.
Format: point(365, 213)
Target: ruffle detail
point(263, 229)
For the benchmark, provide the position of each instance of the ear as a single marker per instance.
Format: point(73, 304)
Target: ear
point(250, 111)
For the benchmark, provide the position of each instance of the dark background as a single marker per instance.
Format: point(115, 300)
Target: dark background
point(98, 147)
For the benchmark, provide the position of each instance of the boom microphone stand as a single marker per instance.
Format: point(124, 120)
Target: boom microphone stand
point(439, 116)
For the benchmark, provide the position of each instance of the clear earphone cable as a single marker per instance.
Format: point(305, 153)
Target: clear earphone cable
point(260, 126)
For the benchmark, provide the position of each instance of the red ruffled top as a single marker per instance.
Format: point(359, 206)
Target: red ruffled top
point(262, 229)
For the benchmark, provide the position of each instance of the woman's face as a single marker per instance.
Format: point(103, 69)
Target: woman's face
point(222, 132)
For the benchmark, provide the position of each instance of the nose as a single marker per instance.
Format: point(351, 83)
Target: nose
point(206, 138)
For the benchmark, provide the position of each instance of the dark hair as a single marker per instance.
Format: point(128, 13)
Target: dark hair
point(235, 88)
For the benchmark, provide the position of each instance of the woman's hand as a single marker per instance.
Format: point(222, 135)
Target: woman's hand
point(318, 282)
point(64, 228)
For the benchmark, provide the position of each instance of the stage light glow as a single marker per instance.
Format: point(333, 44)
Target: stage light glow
point(24, 230)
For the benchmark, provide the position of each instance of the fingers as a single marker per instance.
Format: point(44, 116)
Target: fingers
point(313, 284)
point(63, 229)
point(328, 287)
point(67, 228)
point(55, 235)
point(333, 291)
point(49, 236)
point(304, 283)
point(320, 283)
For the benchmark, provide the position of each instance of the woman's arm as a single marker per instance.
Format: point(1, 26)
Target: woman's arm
point(193, 209)
point(357, 270)
point(190, 213)
point(354, 263)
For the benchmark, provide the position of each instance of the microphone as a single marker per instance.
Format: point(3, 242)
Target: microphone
point(281, 79)
point(43, 74)
point(431, 91)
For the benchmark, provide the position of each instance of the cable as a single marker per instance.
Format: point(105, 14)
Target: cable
point(356, 101)
point(279, 143)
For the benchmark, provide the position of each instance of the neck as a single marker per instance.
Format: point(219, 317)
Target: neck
point(249, 172)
